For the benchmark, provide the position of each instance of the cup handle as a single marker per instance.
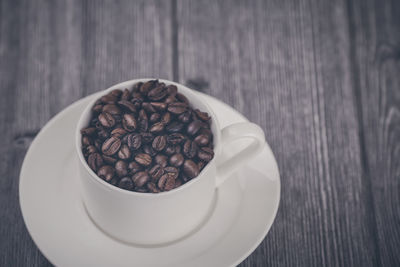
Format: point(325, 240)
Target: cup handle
point(232, 133)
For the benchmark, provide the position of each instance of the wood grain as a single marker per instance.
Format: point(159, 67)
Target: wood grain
point(51, 54)
point(376, 62)
point(286, 66)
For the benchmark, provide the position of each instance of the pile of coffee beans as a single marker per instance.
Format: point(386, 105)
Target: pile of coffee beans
point(148, 139)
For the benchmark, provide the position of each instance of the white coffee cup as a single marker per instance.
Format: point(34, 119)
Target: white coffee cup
point(154, 219)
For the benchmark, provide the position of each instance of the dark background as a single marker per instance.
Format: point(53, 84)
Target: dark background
point(321, 77)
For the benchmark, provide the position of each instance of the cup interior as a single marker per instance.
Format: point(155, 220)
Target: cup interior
point(195, 101)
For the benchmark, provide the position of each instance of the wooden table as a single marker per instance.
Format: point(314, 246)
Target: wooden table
point(321, 77)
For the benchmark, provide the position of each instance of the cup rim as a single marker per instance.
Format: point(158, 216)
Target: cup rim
point(130, 83)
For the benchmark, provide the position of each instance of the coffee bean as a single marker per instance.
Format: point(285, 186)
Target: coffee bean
point(118, 132)
point(190, 149)
point(97, 108)
point(161, 181)
point(185, 117)
point(169, 184)
point(106, 120)
point(145, 88)
point(202, 115)
point(178, 149)
point(121, 168)
point(175, 138)
point(137, 101)
point(193, 127)
point(159, 142)
point(157, 127)
point(143, 121)
point(129, 106)
point(170, 99)
point(134, 141)
point(176, 160)
point(156, 171)
point(152, 187)
point(106, 172)
point(88, 131)
point(108, 99)
point(172, 90)
point(95, 161)
point(177, 107)
point(174, 127)
point(86, 141)
point(206, 154)
point(160, 106)
point(112, 109)
point(147, 137)
point(133, 167)
point(157, 93)
point(126, 183)
point(172, 171)
point(190, 168)
point(116, 92)
point(148, 149)
point(89, 150)
point(148, 107)
point(166, 118)
point(111, 146)
point(135, 87)
point(109, 159)
point(124, 152)
point(169, 150)
point(201, 165)
point(182, 98)
point(103, 134)
point(161, 160)
point(143, 159)
point(178, 183)
point(202, 139)
point(140, 178)
point(155, 117)
point(126, 95)
point(129, 122)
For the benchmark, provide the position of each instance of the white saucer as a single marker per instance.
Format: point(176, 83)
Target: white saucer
point(53, 212)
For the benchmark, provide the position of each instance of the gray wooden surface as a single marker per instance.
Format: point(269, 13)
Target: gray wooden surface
point(321, 78)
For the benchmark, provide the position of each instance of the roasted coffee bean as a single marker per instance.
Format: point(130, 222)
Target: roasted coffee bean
point(178, 183)
point(184, 178)
point(97, 108)
point(190, 149)
point(155, 117)
point(89, 150)
point(148, 107)
point(157, 127)
point(152, 187)
point(169, 184)
point(95, 161)
point(177, 107)
point(160, 106)
point(172, 171)
point(86, 141)
point(143, 159)
point(193, 127)
point(148, 149)
point(178, 149)
point(108, 99)
point(103, 134)
point(121, 168)
point(176, 160)
point(129, 106)
point(202, 115)
point(111, 146)
point(182, 98)
point(166, 118)
point(124, 152)
point(161, 160)
point(175, 138)
point(159, 142)
point(134, 141)
point(201, 165)
point(109, 159)
point(126, 183)
point(206, 154)
point(170, 99)
point(116, 92)
point(143, 121)
point(141, 190)
point(98, 144)
point(174, 127)
point(88, 131)
point(169, 150)
point(126, 95)
point(145, 88)
point(133, 167)
point(118, 132)
point(137, 102)
point(129, 122)
point(147, 137)
point(190, 168)
point(112, 109)
point(106, 119)
point(185, 117)
point(156, 171)
point(157, 93)
point(172, 90)
point(106, 172)
point(162, 180)
point(140, 178)
point(202, 139)
point(135, 87)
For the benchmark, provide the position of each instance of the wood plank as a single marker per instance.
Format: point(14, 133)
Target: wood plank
point(286, 66)
point(376, 37)
point(51, 54)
